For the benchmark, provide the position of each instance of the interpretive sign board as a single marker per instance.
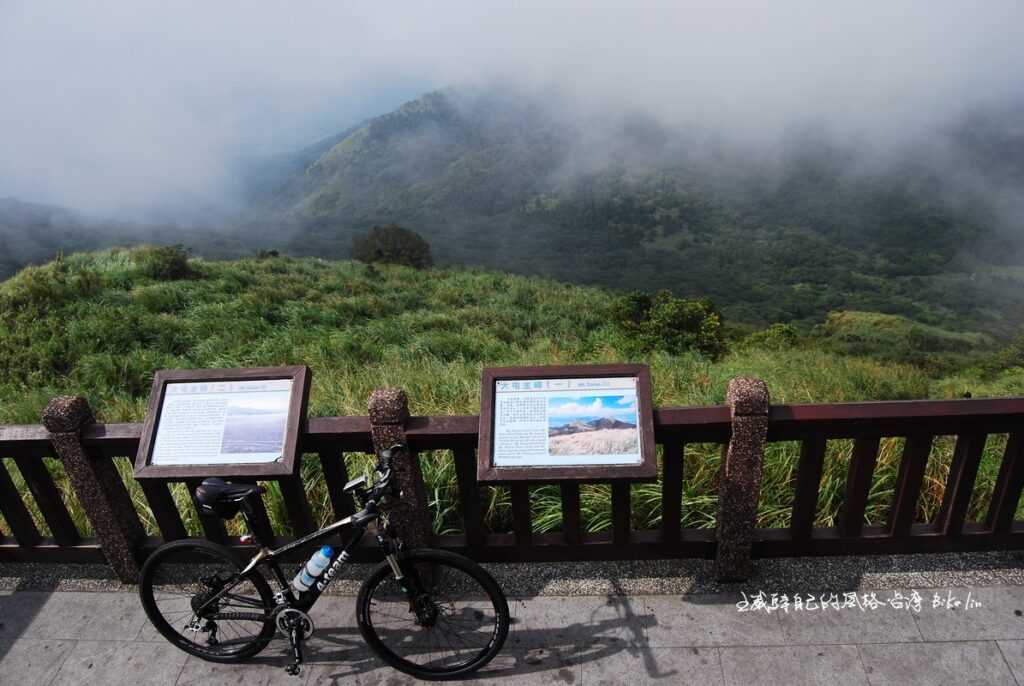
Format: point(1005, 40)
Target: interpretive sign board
point(585, 422)
point(223, 422)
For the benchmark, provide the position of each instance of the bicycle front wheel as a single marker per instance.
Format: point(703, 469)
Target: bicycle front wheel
point(193, 594)
point(455, 622)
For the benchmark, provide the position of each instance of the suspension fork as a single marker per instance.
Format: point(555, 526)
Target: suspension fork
point(396, 568)
point(407, 579)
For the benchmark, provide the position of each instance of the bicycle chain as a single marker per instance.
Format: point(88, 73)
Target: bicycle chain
point(239, 615)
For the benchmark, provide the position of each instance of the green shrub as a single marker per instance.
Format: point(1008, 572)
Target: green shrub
point(162, 261)
point(631, 310)
point(1009, 357)
point(393, 245)
point(670, 323)
point(775, 337)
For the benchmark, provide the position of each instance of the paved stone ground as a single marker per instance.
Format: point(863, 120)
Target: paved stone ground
point(102, 637)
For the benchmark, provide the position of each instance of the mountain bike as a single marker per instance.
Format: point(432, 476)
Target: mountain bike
point(429, 613)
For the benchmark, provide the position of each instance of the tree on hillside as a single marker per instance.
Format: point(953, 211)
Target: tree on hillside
point(670, 323)
point(392, 244)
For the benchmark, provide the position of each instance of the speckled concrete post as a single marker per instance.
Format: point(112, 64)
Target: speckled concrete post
point(97, 484)
point(739, 480)
point(389, 409)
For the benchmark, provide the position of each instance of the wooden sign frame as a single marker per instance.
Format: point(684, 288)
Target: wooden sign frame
point(646, 470)
point(287, 465)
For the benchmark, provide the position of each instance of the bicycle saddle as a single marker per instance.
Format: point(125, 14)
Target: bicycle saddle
point(221, 498)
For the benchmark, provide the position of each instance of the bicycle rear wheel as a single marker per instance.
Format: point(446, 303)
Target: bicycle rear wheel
point(454, 626)
point(178, 585)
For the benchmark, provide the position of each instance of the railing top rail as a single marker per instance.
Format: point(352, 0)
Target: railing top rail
point(899, 409)
point(16, 436)
point(895, 418)
point(710, 423)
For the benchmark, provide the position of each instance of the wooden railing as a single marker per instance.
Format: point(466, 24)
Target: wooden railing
point(328, 439)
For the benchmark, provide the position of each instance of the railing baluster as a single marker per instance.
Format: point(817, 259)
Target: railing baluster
point(469, 495)
point(165, 512)
point(17, 516)
point(808, 483)
point(336, 476)
point(858, 485)
point(521, 524)
point(962, 472)
point(571, 513)
point(213, 526)
point(620, 512)
point(908, 484)
point(671, 491)
point(1003, 509)
point(297, 505)
point(51, 505)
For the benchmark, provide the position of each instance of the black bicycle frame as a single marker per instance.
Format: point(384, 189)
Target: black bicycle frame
point(307, 598)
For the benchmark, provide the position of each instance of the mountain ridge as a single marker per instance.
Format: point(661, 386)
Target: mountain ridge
point(494, 182)
point(580, 426)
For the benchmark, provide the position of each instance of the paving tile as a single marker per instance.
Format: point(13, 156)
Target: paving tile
point(72, 615)
point(999, 616)
point(707, 620)
point(260, 671)
point(328, 647)
point(559, 622)
point(334, 612)
point(849, 625)
point(831, 665)
point(1013, 652)
point(110, 662)
point(30, 661)
point(536, 666)
point(354, 675)
point(18, 610)
point(977, 663)
point(527, 667)
point(654, 666)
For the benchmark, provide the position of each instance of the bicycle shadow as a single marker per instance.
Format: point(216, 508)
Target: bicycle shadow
point(340, 655)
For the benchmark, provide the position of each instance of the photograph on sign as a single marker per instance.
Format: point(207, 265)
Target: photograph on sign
point(227, 422)
point(562, 422)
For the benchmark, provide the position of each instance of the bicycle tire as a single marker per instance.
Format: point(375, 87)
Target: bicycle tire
point(436, 560)
point(158, 567)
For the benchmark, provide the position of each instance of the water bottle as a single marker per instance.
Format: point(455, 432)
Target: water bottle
point(314, 568)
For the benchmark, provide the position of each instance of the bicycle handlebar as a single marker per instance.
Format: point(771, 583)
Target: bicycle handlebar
point(383, 487)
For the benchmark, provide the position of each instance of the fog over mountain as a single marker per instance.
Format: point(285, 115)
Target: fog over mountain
point(784, 159)
point(152, 111)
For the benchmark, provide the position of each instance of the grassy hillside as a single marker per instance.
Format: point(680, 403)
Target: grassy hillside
point(899, 339)
point(31, 233)
point(100, 324)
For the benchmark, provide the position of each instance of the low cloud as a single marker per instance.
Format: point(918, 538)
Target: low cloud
point(132, 108)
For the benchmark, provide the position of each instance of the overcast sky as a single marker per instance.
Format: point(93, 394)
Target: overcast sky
point(114, 107)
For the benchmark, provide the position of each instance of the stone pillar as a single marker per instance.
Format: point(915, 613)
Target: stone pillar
point(389, 410)
point(739, 479)
point(97, 484)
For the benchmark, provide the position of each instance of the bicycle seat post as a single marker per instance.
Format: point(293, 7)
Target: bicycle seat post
point(258, 536)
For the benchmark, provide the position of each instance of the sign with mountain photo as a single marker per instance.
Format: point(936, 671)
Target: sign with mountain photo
point(592, 421)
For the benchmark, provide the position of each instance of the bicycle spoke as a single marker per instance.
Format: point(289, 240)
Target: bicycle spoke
point(207, 607)
point(457, 629)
